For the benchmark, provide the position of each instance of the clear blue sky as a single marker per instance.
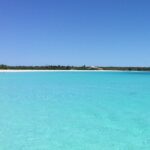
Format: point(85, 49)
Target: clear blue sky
point(75, 32)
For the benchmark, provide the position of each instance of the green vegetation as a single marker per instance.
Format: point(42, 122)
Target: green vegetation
point(51, 67)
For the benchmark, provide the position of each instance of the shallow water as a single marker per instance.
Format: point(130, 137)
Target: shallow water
point(75, 111)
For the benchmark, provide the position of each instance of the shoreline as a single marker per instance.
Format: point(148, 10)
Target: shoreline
point(13, 70)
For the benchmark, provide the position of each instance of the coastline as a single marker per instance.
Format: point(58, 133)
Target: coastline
point(13, 70)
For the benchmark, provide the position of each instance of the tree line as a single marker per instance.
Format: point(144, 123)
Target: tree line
point(59, 67)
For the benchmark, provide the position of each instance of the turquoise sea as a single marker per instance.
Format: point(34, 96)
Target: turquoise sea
point(75, 111)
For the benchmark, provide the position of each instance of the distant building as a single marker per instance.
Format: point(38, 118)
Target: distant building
point(96, 68)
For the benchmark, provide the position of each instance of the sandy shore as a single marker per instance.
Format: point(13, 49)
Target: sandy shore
point(52, 70)
point(1, 71)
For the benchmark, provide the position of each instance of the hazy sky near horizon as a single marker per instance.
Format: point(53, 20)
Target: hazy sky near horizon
point(75, 32)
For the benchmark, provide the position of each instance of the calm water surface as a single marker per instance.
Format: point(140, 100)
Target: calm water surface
point(75, 111)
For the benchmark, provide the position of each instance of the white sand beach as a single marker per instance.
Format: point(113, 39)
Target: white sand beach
point(52, 70)
point(13, 70)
